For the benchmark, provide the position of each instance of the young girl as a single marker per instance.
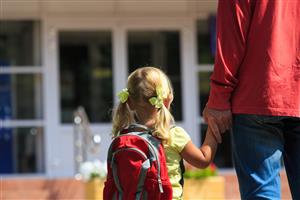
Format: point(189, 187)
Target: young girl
point(146, 101)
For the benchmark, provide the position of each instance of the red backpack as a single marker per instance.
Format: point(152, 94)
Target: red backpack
point(136, 166)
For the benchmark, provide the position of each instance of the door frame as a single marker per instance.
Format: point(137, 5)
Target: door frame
point(56, 163)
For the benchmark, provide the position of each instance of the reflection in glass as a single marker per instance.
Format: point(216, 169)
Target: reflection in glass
point(21, 150)
point(203, 86)
point(86, 74)
point(20, 96)
point(223, 156)
point(160, 49)
point(19, 43)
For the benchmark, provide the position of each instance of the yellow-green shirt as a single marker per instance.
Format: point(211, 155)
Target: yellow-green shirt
point(178, 139)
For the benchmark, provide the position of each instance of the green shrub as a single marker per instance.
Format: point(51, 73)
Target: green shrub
point(194, 173)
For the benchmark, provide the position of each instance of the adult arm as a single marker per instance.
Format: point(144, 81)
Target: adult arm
point(233, 22)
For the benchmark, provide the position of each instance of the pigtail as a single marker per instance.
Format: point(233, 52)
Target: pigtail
point(122, 117)
point(164, 120)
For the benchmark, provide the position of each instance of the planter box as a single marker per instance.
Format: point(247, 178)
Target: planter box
point(206, 188)
point(94, 189)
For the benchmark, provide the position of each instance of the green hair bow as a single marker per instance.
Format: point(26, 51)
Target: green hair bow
point(159, 99)
point(123, 95)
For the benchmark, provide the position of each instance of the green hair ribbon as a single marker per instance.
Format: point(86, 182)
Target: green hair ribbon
point(123, 95)
point(158, 100)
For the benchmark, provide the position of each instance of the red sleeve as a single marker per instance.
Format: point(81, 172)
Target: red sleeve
point(233, 21)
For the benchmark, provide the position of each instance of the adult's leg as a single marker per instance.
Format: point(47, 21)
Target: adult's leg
point(292, 154)
point(257, 150)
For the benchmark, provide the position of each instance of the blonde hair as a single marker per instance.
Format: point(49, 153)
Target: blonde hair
point(142, 84)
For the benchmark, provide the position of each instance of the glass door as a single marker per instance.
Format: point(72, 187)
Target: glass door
point(160, 49)
point(85, 68)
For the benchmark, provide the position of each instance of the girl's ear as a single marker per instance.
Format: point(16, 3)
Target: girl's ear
point(168, 101)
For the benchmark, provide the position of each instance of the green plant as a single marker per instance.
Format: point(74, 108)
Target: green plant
point(195, 173)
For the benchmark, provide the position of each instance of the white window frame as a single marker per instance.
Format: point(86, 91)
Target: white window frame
point(27, 123)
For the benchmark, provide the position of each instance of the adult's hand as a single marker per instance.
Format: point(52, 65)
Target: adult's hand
point(219, 121)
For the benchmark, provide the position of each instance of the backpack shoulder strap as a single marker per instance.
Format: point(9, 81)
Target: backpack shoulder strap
point(133, 126)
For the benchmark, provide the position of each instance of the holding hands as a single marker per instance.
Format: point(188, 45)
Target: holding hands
point(219, 121)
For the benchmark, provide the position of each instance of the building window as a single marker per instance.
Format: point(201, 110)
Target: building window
point(23, 93)
point(160, 49)
point(20, 43)
point(28, 142)
point(21, 103)
point(203, 78)
point(206, 41)
point(85, 59)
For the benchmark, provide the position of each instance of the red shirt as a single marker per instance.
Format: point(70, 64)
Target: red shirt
point(257, 64)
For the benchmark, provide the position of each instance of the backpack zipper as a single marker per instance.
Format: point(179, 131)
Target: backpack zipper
point(132, 149)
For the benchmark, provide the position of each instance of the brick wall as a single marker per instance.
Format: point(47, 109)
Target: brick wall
point(67, 189)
